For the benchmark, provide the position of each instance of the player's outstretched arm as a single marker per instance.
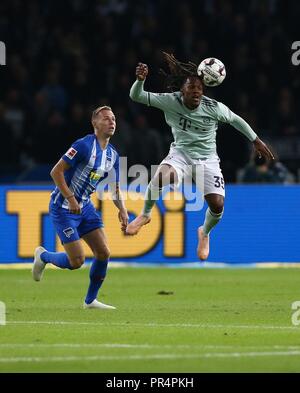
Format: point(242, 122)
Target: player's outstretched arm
point(223, 113)
point(137, 92)
point(161, 101)
point(262, 149)
point(242, 126)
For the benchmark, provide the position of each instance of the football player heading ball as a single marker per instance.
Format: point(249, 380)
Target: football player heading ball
point(193, 118)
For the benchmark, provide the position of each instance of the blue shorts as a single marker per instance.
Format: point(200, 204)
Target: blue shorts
point(71, 227)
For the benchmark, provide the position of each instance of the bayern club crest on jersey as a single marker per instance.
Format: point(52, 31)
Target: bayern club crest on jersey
point(71, 153)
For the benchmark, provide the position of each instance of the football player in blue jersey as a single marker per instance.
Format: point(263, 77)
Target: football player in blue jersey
point(76, 176)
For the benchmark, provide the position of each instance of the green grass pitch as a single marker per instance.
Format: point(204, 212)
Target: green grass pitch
point(211, 320)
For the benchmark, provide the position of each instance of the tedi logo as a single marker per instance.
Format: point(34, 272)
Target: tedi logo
point(2, 53)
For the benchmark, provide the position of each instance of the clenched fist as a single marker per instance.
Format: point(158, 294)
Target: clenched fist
point(141, 71)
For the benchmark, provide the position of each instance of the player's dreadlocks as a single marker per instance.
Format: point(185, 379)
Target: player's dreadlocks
point(179, 71)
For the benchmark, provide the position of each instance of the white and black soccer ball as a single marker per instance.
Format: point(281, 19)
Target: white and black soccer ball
point(212, 71)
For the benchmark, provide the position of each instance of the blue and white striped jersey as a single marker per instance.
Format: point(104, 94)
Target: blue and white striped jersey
point(89, 164)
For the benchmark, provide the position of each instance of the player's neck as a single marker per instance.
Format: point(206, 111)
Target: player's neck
point(103, 141)
point(189, 105)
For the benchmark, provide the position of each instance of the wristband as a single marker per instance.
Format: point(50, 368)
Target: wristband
point(70, 196)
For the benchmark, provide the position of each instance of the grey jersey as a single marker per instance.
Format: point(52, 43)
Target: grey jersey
point(194, 131)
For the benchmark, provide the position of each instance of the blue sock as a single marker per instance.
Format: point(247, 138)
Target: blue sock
point(59, 259)
point(97, 275)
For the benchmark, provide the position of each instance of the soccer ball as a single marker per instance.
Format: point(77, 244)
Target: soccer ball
point(212, 71)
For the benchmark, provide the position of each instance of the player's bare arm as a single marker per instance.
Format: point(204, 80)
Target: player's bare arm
point(57, 174)
point(123, 218)
point(262, 149)
point(119, 203)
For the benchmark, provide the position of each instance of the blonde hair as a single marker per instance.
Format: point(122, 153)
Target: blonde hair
point(98, 110)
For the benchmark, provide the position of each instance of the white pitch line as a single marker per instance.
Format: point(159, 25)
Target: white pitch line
point(179, 325)
point(146, 357)
point(142, 346)
point(111, 345)
point(126, 346)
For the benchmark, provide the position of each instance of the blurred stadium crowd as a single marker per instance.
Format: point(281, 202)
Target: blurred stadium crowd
point(64, 58)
